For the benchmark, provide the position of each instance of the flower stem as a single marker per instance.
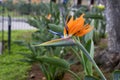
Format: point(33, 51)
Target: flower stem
point(75, 75)
point(92, 60)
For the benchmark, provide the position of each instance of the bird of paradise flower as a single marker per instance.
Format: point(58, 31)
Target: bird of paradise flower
point(72, 28)
point(76, 27)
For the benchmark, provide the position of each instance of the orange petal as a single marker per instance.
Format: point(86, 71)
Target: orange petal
point(49, 16)
point(78, 19)
point(78, 23)
point(84, 31)
point(70, 23)
point(77, 27)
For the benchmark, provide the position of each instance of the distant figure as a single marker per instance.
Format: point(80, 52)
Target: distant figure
point(1, 1)
point(65, 1)
point(79, 2)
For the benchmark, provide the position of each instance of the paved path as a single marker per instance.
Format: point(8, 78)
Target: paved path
point(17, 24)
point(13, 19)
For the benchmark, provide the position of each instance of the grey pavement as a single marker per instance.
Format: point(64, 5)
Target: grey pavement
point(13, 19)
point(17, 24)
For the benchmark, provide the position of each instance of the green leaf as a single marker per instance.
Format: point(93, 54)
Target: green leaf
point(86, 63)
point(20, 42)
point(56, 28)
point(90, 78)
point(90, 47)
point(90, 59)
point(56, 61)
point(93, 16)
point(89, 36)
point(116, 75)
point(59, 42)
point(74, 74)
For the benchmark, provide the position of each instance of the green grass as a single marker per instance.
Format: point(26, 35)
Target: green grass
point(10, 66)
point(18, 35)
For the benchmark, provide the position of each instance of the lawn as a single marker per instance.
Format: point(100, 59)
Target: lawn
point(18, 35)
point(11, 68)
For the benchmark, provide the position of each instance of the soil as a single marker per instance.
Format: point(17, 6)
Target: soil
point(36, 74)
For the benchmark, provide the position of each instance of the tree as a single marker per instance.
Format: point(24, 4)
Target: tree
point(111, 57)
point(113, 24)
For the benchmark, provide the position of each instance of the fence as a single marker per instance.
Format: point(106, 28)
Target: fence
point(9, 21)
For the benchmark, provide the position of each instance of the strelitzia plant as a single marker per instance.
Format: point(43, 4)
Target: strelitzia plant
point(72, 30)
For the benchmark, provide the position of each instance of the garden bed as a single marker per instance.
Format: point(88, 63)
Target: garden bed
point(36, 74)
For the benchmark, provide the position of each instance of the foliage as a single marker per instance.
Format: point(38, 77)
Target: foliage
point(86, 63)
point(9, 5)
point(23, 8)
point(43, 24)
point(100, 25)
point(39, 9)
point(116, 75)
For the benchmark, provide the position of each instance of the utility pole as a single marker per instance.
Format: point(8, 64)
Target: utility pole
point(2, 3)
point(9, 34)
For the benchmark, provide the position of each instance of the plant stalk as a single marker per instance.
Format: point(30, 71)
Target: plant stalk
point(76, 76)
point(92, 60)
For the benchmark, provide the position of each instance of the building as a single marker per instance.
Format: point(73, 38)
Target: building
point(28, 1)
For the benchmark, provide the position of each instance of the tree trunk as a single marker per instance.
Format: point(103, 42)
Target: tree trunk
point(110, 58)
point(113, 24)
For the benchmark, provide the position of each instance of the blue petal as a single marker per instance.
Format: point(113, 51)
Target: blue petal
point(56, 33)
